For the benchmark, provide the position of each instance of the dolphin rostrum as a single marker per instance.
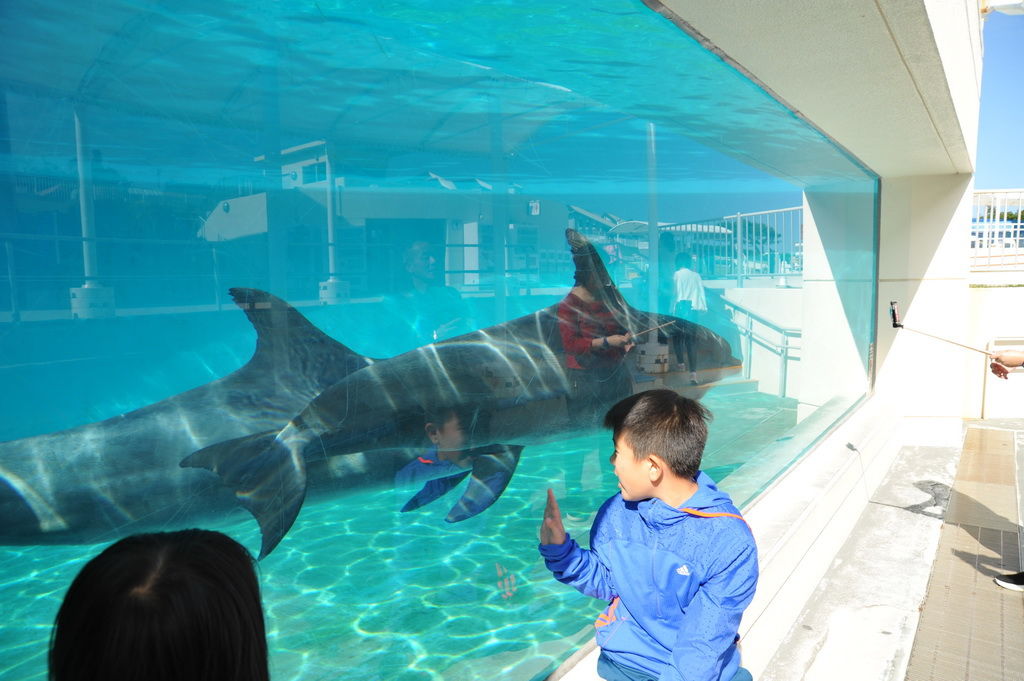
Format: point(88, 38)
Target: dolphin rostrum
point(511, 378)
point(102, 480)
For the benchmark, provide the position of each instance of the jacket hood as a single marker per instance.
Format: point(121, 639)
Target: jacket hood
point(707, 498)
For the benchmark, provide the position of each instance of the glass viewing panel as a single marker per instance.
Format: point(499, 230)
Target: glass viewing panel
point(374, 199)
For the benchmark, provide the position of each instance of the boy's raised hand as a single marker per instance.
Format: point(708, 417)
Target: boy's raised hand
point(551, 529)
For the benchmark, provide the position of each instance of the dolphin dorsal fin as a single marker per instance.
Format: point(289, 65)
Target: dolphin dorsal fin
point(586, 258)
point(287, 340)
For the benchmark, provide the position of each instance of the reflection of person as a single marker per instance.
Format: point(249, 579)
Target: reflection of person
point(446, 455)
point(615, 263)
point(595, 345)
point(170, 606)
point(1001, 364)
point(674, 609)
point(439, 311)
point(688, 301)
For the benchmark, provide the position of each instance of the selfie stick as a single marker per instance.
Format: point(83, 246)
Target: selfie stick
point(894, 314)
point(653, 328)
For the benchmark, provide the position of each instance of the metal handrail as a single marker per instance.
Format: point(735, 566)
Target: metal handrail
point(783, 349)
point(764, 212)
point(997, 230)
point(741, 245)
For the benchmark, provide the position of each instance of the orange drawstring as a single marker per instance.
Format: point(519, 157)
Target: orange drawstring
point(705, 514)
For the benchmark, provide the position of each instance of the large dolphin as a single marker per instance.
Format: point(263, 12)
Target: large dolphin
point(511, 378)
point(102, 480)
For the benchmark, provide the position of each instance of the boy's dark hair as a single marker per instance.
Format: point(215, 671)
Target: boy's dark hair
point(169, 606)
point(665, 423)
point(473, 420)
point(440, 415)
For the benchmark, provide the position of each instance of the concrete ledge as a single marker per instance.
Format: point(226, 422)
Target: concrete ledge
point(804, 525)
point(873, 589)
point(805, 517)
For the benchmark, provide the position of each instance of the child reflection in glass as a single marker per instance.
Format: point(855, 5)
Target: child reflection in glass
point(446, 455)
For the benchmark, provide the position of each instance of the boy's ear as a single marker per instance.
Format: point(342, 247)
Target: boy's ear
point(431, 431)
point(656, 467)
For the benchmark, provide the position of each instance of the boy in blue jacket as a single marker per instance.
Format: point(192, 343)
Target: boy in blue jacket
point(669, 552)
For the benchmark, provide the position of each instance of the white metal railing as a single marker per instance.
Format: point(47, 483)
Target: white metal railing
point(766, 243)
point(997, 232)
point(785, 344)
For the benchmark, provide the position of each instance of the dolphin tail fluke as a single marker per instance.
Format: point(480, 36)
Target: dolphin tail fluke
point(270, 484)
point(434, 489)
point(490, 476)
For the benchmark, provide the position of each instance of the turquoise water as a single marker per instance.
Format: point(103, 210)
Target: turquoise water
point(358, 585)
point(481, 128)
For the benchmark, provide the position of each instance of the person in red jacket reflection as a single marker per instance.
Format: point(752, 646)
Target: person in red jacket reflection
point(595, 345)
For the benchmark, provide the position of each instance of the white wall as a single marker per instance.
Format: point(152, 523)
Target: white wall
point(895, 82)
point(923, 265)
point(838, 260)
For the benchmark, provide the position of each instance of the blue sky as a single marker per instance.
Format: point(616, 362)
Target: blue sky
point(1001, 136)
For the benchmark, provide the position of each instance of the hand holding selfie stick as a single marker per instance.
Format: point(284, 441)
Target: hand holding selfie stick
point(894, 314)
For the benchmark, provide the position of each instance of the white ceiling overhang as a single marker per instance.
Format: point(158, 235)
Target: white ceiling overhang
point(894, 82)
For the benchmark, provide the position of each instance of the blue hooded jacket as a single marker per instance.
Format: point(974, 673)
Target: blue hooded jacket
point(677, 582)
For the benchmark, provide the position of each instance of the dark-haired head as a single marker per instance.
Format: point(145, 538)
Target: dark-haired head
point(665, 423)
point(686, 260)
point(586, 277)
point(170, 606)
point(472, 422)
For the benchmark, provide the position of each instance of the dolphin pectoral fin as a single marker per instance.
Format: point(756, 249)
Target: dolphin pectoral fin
point(491, 472)
point(434, 489)
point(267, 480)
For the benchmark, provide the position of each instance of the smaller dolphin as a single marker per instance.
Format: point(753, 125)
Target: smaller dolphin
point(511, 378)
point(102, 480)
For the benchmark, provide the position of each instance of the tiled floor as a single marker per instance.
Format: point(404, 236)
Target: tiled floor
point(970, 629)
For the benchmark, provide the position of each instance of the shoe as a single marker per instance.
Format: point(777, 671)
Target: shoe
point(1012, 582)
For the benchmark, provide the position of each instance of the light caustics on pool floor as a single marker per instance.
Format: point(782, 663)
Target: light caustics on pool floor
point(359, 586)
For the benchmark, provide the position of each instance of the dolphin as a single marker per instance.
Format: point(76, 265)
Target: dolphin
point(102, 480)
point(511, 379)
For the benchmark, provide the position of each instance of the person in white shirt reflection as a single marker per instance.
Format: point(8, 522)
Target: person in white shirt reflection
point(688, 301)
